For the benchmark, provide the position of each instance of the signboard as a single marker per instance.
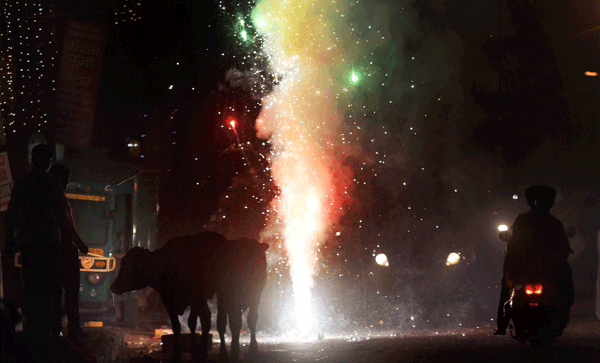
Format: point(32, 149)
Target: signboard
point(6, 182)
point(78, 81)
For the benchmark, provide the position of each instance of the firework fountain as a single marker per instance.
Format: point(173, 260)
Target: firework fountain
point(341, 105)
point(311, 49)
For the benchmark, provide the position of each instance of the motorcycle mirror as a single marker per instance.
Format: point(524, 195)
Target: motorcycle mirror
point(503, 236)
point(571, 231)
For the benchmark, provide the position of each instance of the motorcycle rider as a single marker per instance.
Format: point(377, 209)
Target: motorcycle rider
point(538, 239)
point(501, 320)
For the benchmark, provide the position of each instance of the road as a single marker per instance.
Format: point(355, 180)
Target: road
point(580, 343)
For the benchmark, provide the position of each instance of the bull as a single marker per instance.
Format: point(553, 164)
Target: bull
point(240, 278)
point(179, 273)
point(188, 271)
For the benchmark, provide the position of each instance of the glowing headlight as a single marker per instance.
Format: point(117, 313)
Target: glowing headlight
point(502, 228)
point(93, 278)
point(452, 259)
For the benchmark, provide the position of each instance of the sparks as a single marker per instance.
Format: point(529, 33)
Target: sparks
point(300, 122)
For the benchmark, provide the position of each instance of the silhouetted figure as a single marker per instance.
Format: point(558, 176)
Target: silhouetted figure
point(189, 270)
point(35, 220)
point(180, 273)
point(70, 272)
point(241, 275)
point(538, 239)
point(501, 320)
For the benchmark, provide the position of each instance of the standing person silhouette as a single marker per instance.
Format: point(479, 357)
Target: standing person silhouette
point(36, 218)
point(501, 320)
point(70, 273)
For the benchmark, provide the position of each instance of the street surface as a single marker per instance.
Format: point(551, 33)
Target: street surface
point(580, 343)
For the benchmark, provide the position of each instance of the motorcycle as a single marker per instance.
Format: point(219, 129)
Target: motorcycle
point(537, 306)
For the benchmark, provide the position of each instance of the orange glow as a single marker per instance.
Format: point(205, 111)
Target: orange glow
point(93, 198)
point(591, 74)
point(232, 124)
point(533, 289)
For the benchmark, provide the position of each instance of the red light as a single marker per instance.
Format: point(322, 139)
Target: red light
point(232, 123)
point(533, 289)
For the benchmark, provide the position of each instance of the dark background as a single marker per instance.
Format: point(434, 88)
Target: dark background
point(502, 84)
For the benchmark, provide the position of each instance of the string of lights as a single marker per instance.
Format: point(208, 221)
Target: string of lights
point(28, 67)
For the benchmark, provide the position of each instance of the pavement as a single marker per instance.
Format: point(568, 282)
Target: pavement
point(101, 345)
point(114, 344)
point(107, 344)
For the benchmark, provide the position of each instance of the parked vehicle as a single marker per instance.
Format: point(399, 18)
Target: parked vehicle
point(115, 207)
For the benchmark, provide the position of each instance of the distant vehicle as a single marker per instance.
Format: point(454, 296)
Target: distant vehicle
point(115, 207)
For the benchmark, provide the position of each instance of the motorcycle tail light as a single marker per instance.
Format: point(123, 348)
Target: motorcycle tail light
point(531, 289)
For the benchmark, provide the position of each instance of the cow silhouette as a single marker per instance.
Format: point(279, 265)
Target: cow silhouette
point(188, 271)
point(179, 273)
point(241, 275)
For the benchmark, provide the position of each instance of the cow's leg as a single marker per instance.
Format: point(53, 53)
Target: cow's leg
point(192, 319)
point(204, 311)
point(176, 357)
point(252, 319)
point(222, 326)
point(235, 325)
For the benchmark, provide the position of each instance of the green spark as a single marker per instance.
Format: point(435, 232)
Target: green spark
point(244, 35)
point(354, 77)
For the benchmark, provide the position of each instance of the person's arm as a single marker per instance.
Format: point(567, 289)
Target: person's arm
point(61, 205)
point(513, 249)
point(563, 248)
point(81, 246)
